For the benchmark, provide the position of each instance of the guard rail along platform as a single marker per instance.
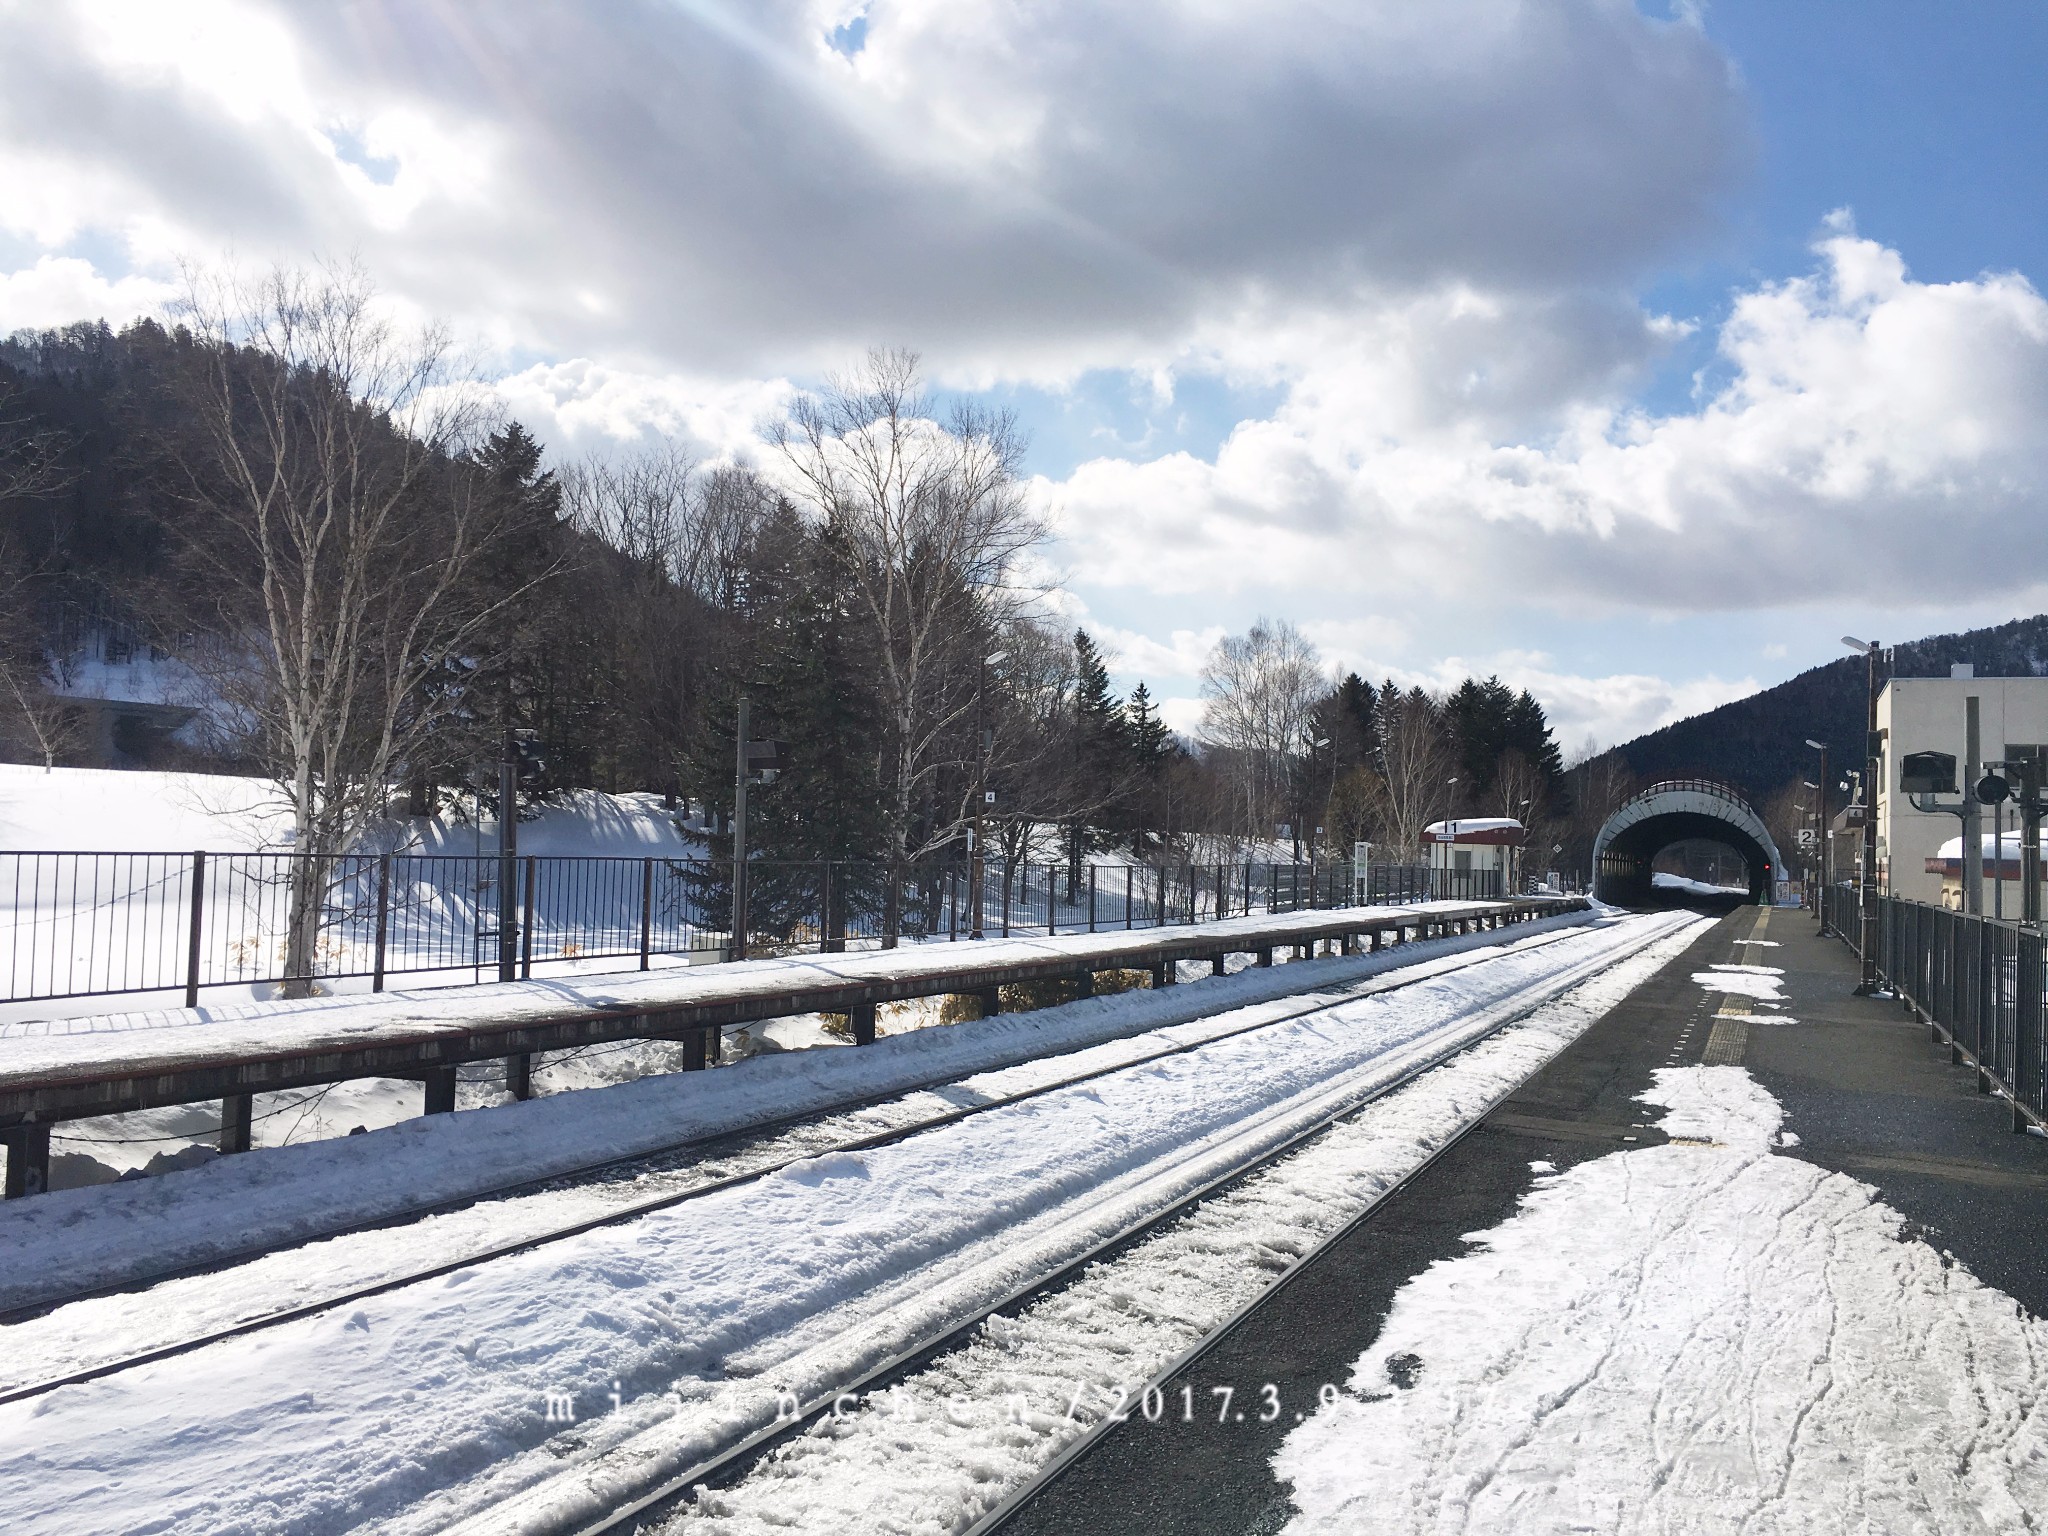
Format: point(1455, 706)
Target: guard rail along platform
point(78, 1068)
point(1979, 983)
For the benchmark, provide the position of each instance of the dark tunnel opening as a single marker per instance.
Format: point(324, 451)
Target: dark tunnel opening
point(1623, 876)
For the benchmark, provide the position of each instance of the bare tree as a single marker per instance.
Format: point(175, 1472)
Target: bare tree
point(1261, 689)
point(33, 465)
point(337, 529)
point(683, 537)
point(1416, 756)
point(32, 457)
point(937, 522)
point(1600, 783)
point(31, 704)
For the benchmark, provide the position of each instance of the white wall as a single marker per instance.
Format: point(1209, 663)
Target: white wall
point(1926, 714)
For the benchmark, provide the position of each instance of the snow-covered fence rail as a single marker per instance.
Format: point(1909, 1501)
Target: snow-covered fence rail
point(1980, 983)
point(108, 924)
point(233, 1051)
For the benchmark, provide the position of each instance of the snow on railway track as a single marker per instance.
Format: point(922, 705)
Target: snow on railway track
point(950, 1442)
point(447, 1403)
point(78, 1337)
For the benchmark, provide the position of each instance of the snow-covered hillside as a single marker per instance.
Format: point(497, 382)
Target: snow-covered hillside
point(138, 811)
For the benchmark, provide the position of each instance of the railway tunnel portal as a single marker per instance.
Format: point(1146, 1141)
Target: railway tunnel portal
point(1675, 811)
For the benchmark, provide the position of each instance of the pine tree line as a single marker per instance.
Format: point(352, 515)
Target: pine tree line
point(864, 599)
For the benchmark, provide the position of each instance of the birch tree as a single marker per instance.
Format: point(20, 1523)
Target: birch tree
point(936, 523)
point(1260, 691)
point(337, 528)
point(1416, 760)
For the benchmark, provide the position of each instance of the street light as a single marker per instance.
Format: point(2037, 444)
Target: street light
point(1866, 893)
point(977, 861)
point(1820, 833)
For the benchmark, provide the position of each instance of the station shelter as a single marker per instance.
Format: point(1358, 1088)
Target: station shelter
point(1472, 857)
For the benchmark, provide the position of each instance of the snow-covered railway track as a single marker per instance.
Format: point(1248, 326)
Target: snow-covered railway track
point(475, 1402)
point(1267, 1018)
point(676, 1493)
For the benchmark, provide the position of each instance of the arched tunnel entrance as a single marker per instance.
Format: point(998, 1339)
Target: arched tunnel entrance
point(1676, 811)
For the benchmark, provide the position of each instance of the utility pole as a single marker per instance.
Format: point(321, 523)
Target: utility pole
point(1820, 896)
point(1866, 895)
point(508, 859)
point(984, 740)
point(739, 837)
point(2027, 768)
point(1973, 835)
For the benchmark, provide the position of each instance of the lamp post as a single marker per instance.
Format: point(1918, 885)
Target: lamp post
point(977, 859)
point(1820, 796)
point(1866, 885)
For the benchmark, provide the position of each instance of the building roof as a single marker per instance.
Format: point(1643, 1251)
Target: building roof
point(1492, 830)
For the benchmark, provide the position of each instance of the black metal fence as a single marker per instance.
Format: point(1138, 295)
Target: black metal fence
point(1980, 982)
point(94, 924)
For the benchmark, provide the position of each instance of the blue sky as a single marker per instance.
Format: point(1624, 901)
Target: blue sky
point(1632, 354)
point(1930, 121)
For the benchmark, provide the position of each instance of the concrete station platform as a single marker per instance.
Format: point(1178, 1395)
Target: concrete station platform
point(79, 1068)
point(1863, 1086)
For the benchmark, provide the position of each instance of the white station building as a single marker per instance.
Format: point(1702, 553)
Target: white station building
point(1472, 855)
point(1927, 714)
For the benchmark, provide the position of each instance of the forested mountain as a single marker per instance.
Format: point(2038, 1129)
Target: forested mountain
point(1759, 743)
point(361, 584)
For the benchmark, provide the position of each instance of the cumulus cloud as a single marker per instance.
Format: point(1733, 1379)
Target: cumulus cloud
point(1872, 437)
point(60, 289)
point(588, 406)
point(1018, 190)
point(1420, 229)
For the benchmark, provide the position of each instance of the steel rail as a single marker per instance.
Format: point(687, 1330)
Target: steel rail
point(215, 1262)
point(1373, 986)
point(1018, 1498)
point(726, 1466)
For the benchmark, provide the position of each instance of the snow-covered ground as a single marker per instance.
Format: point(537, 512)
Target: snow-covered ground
point(143, 811)
point(75, 1239)
point(1701, 1337)
point(939, 1450)
point(1669, 882)
point(666, 1334)
point(105, 923)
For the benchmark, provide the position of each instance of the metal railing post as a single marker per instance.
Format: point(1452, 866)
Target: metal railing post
point(383, 920)
point(1091, 898)
point(646, 912)
point(198, 924)
point(531, 875)
point(2027, 1023)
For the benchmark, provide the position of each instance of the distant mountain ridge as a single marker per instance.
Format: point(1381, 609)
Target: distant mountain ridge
point(1759, 743)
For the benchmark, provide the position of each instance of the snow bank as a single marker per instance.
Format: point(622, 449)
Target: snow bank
point(1668, 882)
point(1760, 983)
point(71, 1239)
point(1697, 1337)
point(100, 809)
point(144, 811)
point(419, 1409)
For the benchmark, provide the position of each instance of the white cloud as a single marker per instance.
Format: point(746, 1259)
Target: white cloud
point(1874, 438)
point(1019, 191)
point(1420, 228)
point(583, 405)
point(61, 289)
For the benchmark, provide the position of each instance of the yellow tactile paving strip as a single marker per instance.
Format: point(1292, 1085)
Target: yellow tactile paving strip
point(1730, 1035)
